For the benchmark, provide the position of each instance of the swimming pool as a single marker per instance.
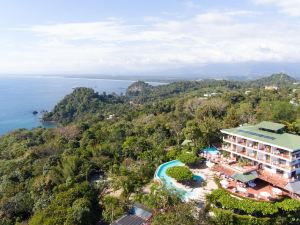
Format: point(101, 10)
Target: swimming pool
point(161, 175)
point(211, 150)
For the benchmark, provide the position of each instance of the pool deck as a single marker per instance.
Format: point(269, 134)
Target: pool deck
point(210, 186)
point(200, 191)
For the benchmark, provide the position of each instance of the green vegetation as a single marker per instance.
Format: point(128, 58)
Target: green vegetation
point(180, 214)
point(180, 173)
point(244, 162)
point(113, 208)
point(189, 158)
point(159, 198)
point(231, 210)
point(65, 175)
point(169, 209)
point(139, 87)
point(280, 79)
point(74, 206)
point(227, 217)
point(81, 102)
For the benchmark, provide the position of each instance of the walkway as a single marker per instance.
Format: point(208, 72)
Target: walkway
point(210, 183)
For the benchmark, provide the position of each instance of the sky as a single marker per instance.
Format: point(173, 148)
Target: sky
point(121, 37)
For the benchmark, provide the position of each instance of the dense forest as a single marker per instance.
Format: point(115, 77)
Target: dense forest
point(105, 150)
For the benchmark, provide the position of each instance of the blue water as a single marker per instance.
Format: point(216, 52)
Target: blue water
point(162, 175)
point(211, 150)
point(20, 96)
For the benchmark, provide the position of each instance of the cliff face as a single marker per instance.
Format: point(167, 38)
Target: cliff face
point(138, 87)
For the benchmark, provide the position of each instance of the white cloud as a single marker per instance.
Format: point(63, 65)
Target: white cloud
point(290, 7)
point(114, 45)
point(191, 4)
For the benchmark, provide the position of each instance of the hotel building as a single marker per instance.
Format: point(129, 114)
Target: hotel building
point(271, 153)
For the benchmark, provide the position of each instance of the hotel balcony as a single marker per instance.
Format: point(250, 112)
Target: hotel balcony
point(282, 165)
point(265, 160)
point(259, 147)
point(252, 144)
point(277, 152)
point(230, 139)
point(242, 142)
point(283, 154)
point(255, 156)
point(238, 168)
point(265, 148)
point(227, 147)
point(274, 178)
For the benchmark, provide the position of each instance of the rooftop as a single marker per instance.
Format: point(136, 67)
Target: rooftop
point(293, 187)
point(138, 215)
point(129, 220)
point(245, 177)
point(270, 126)
point(269, 135)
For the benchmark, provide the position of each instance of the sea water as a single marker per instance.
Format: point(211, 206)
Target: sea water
point(20, 96)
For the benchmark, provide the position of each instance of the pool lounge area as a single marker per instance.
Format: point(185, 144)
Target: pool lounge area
point(187, 193)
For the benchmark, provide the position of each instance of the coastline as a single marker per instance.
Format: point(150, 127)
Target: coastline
point(154, 80)
point(43, 124)
point(21, 95)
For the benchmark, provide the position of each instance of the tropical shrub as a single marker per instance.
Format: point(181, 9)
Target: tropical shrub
point(159, 198)
point(227, 217)
point(182, 214)
point(188, 158)
point(180, 173)
point(286, 211)
point(74, 206)
point(113, 208)
point(225, 200)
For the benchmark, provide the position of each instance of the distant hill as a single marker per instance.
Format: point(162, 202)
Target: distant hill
point(280, 79)
point(139, 87)
point(81, 102)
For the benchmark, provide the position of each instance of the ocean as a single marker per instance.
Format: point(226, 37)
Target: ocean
point(20, 96)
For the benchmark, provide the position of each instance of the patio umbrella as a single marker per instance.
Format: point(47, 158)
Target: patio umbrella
point(265, 194)
point(277, 191)
point(224, 183)
point(209, 164)
point(241, 189)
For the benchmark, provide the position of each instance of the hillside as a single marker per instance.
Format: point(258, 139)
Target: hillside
point(62, 176)
point(138, 87)
point(82, 101)
point(280, 79)
point(178, 88)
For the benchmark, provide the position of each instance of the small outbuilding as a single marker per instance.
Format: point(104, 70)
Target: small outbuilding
point(138, 215)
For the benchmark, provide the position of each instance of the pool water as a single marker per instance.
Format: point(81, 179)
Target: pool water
point(168, 182)
point(211, 150)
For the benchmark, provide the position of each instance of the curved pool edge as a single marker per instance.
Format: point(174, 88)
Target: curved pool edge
point(187, 194)
point(156, 177)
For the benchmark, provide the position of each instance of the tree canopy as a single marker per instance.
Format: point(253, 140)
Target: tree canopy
point(188, 158)
point(180, 173)
point(105, 143)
